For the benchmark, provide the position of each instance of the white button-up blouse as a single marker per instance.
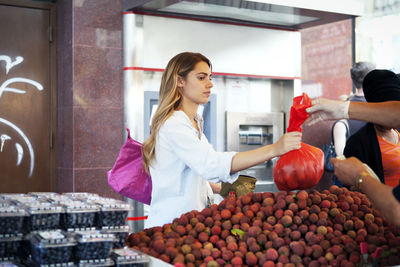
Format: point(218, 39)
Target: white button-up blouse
point(184, 164)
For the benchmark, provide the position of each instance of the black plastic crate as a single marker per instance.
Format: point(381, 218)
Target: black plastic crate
point(12, 219)
point(79, 214)
point(10, 245)
point(129, 257)
point(51, 247)
point(112, 212)
point(93, 244)
point(120, 232)
point(42, 216)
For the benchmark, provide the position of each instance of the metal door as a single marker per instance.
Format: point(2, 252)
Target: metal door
point(27, 95)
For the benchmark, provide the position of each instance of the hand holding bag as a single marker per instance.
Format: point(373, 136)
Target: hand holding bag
point(128, 176)
point(301, 168)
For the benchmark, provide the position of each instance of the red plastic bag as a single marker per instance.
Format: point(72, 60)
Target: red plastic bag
point(301, 168)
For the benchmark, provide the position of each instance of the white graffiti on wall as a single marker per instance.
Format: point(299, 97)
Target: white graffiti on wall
point(9, 63)
point(5, 88)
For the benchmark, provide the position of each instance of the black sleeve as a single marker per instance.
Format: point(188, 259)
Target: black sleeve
point(355, 148)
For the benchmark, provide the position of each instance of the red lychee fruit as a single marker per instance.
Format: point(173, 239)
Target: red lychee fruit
point(199, 227)
point(254, 231)
point(251, 259)
point(232, 246)
point(246, 199)
point(297, 248)
point(237, 261)
point(203, 237)
point(269, 201)
point(302, 194)
point(272, 254)
point(215, 230)
point(286, 220)
point(226, 214)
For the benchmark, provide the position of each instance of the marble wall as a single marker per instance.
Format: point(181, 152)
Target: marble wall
point(90, 90)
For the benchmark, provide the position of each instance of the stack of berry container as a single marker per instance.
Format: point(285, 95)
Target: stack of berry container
point(92, 246)
point(43, 216)
point(51, 247)
point(129, 257)
point(12, 219)
point(121, 232)
point(47, 229)
point(112, 219)
point(78, 215)
point(11, 222)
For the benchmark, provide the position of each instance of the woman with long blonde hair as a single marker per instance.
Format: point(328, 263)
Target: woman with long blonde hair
point(177, 154)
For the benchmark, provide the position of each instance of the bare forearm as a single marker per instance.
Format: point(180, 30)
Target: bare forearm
point(385, 113)
point(247, 159)
point(382, 199)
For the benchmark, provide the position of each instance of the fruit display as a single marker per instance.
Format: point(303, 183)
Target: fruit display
point(314, 228)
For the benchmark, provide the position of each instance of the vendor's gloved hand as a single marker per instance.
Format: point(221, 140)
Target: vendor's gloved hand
point(242, 186)
point(326, 109)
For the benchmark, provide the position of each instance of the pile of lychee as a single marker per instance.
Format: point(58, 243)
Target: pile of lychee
point(276, 229)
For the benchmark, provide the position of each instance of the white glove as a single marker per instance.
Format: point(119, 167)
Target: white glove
point(326, 109)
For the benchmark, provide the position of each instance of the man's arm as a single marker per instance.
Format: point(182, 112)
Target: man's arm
point(384, 113)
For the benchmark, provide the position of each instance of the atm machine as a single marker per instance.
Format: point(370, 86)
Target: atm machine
point(247, 131)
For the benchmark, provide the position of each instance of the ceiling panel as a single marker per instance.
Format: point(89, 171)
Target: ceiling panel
point(284, 14)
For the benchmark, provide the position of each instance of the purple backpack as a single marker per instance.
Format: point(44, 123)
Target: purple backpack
point(128, 176)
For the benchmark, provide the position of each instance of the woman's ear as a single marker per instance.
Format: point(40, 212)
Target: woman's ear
point(180, 81)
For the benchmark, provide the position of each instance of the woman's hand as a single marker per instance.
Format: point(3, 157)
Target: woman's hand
point(287, 142)
point(347, 170)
